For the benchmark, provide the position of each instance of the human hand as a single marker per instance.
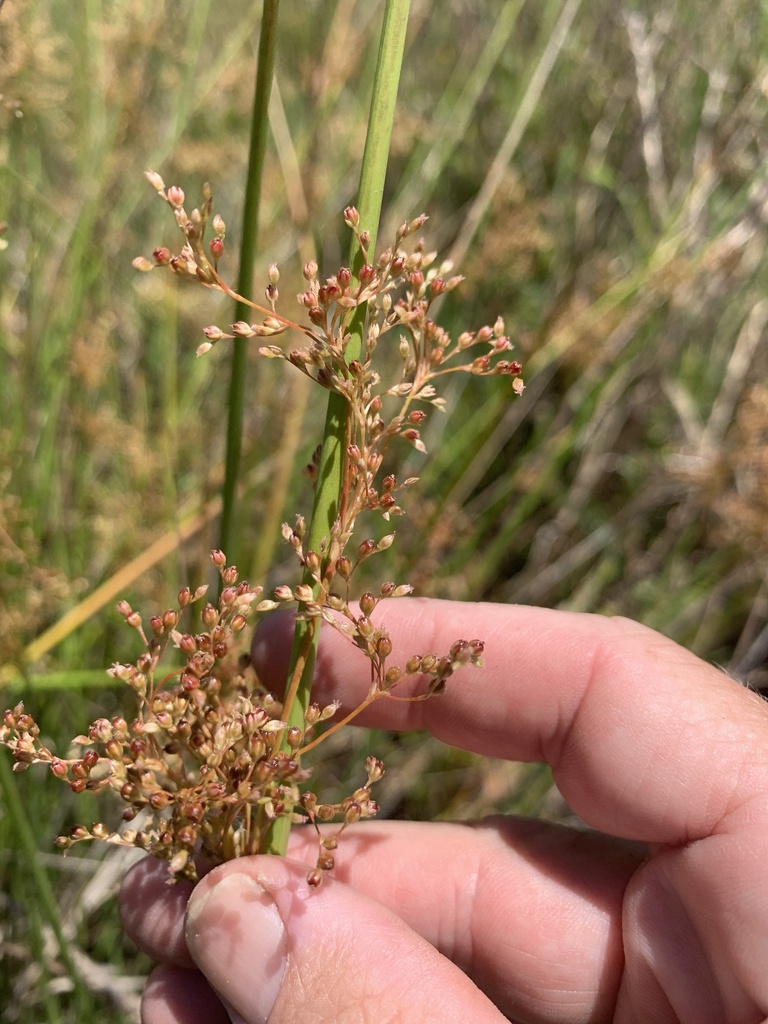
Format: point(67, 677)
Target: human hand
point(505, 919)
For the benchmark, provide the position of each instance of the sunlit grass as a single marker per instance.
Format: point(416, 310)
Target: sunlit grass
point(622, 239)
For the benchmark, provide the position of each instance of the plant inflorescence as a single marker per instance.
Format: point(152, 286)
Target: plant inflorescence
point(209, 761)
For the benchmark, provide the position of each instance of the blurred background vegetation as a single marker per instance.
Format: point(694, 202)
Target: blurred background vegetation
point(599, 172)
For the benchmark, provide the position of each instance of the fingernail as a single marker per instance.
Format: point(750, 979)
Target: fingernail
point(236, 936)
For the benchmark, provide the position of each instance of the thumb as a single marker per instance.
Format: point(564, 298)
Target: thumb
point(278, 951)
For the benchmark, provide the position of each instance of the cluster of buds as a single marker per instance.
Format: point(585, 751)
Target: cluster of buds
point(201, 263)
point(207, 764)
point(394, 290)
point(210, 762)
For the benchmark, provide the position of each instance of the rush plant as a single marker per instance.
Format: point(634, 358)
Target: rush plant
point(207, 764)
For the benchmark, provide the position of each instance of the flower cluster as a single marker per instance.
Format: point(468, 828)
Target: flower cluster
point(200, 767)
point(210, 761)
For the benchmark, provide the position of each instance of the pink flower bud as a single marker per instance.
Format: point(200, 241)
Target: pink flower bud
point(176, 196)
point(155, 180)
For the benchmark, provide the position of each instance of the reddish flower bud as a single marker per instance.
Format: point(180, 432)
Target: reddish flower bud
point(384, 647)
point(367, 274)
point(344, 277)
point(344, 567)
point(175, 196)
point(352, 814)
point(162, 256)
point(216, 248)
point(90, 759)
point(294, 737)
point(366, 548)
point(170, 619)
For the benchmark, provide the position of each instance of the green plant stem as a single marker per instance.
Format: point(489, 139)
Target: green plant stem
point(248, 248)
point(330, 477)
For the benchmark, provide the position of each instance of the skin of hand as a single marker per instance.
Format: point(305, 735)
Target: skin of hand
point(657, 915)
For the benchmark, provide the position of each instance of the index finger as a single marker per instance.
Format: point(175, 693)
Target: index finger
point(645, 741)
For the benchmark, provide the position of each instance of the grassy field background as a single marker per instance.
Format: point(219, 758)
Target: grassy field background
point(598, 171)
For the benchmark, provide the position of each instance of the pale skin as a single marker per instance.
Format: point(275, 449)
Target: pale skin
point(659, 915)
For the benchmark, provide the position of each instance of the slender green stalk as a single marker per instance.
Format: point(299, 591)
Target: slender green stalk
point(248, 249)
point(332, 460)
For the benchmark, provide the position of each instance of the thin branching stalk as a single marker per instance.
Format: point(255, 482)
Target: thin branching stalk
point(330, 477)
